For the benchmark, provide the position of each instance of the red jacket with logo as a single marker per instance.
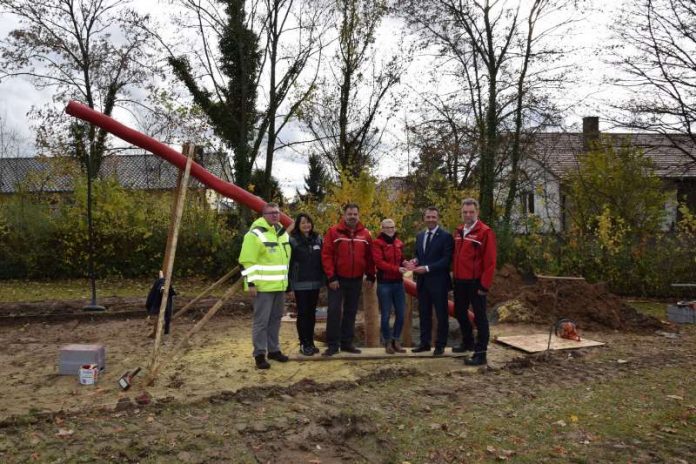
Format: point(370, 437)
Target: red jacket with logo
point(387, 252)
point(474, 254)
point(347, 253)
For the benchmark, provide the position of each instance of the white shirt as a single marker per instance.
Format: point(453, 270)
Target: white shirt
point(425, 240)
point(432, 234)
point(469, 229)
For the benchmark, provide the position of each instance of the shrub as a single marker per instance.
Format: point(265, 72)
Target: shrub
point(44, 237)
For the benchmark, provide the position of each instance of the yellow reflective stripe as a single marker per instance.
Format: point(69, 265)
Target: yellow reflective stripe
point(261, 267)
point(255, 277)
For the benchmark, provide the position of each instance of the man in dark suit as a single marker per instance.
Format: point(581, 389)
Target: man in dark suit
point(433, 254)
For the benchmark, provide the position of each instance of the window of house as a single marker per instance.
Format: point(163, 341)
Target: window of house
point(527, 202)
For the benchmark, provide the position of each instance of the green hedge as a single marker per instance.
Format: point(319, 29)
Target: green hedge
point(631, 267)
point(46, 236)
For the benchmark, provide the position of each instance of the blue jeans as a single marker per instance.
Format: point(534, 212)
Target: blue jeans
point(388, 295)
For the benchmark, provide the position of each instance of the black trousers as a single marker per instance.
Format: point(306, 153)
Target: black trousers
point(340, 317)
point(430, 296)
point(465, 294)
point(306, 301)
point(168, 316)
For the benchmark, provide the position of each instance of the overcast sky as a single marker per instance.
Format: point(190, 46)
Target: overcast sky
point(17, 96)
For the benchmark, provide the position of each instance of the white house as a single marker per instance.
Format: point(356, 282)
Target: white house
point(550, 156)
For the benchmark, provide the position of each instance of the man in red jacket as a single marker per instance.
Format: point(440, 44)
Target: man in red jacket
point(473, 264)
point(346, 257)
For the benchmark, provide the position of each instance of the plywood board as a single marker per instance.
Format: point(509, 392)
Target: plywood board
point(376, 353)
point(539, 342)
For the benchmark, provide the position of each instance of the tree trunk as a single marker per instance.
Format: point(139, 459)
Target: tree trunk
point(272, 105)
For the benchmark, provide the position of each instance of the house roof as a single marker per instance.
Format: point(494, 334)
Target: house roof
point(134, 172)
point(559, 152)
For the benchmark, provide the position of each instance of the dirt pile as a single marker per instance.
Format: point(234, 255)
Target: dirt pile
point(544, 301)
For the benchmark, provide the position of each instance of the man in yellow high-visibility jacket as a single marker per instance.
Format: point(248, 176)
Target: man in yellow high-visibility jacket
point(265, 257)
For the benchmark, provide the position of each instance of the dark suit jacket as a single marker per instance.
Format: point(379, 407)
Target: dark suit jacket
point(437, 259)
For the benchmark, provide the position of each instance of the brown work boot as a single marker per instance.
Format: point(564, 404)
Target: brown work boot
point(388, 348)
point(397, 347)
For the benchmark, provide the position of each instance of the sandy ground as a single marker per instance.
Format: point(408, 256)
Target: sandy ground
point(218, 360)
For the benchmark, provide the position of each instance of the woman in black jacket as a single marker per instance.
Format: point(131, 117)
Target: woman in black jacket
point(306, 278)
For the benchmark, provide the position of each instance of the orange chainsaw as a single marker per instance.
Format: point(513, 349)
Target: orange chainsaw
point(565, 328)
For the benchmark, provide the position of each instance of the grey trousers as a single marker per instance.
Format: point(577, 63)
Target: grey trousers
point(268, 310)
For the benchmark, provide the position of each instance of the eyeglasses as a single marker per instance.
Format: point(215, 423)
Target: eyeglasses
point(388, 227)
point(271, 213)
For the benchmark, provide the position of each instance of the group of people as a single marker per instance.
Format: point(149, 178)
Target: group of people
point(276, 260)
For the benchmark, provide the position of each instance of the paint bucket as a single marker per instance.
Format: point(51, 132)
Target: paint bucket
point(88, 374)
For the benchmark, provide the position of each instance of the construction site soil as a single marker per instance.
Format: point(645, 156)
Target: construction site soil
point(513, 299)
point(209, 402)
point(546, 300)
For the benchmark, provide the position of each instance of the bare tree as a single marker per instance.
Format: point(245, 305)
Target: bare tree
point(444, 138)
point(657, 51)
point(501, 55)
point(89, 50)
point(343, 114)
point(166, 115)
point(290, 34)
point(11, 141)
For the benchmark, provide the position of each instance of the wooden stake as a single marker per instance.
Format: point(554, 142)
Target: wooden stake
point(207, 291)
point(173, 213)
point(170, 253)
point(154, 370)
point(406, 334)
point(371, 315)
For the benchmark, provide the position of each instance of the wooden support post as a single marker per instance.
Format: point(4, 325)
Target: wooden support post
point(205, 292)
point(406, 334)
point(371, 315)
point(154, 370)
point(170, 253)
point(173, 213)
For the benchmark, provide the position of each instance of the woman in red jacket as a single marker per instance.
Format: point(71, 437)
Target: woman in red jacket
point(387, 253)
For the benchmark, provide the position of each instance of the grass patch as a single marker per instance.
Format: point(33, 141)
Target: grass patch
point(644, 419)
point(76, 289)
point(644, 416)
point(650, 308)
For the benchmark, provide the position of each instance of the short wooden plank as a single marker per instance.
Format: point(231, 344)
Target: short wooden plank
point(375, 353)
point(539, 342)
